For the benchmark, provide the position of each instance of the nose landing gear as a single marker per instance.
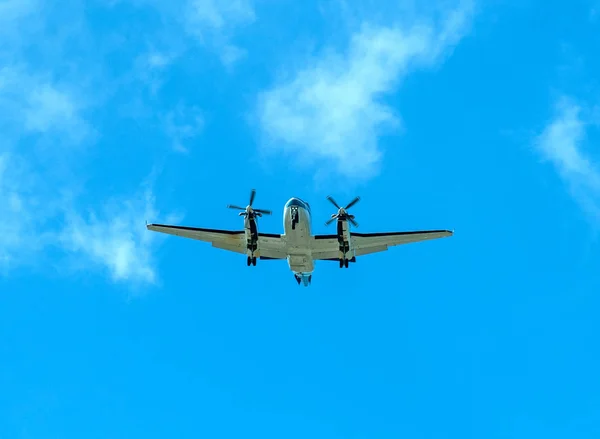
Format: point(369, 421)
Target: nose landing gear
point(294, 217)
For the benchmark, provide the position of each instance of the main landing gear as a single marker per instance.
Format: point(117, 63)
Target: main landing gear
point(251, 248)
point(344, 249)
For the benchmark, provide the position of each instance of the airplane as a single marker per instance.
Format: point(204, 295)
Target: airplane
point(297, 244)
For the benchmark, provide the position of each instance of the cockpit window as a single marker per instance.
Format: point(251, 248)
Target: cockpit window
point(307, 205)
point(298, 202)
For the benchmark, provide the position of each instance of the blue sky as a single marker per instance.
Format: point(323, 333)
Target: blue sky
point(477, 116)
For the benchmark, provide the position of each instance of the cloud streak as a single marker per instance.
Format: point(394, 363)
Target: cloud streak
point(211, 24)
point(17, 207)
point(214, 22)
point(37, 218)
point(45, 108)
point(116, 239)
point(332, 112)
point(562, 144)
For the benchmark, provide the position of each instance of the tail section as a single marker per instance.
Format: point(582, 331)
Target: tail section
point(304, 278)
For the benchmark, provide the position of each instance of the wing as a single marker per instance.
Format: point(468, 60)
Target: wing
point(270, 246)
point(325, 247)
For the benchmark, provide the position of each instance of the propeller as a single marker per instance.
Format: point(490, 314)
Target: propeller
point(249, 211)
point(342, 213)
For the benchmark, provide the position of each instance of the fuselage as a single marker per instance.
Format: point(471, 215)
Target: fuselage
point(297, 234)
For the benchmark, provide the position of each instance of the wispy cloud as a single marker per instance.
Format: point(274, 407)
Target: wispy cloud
point(151, 67)
point(111, 236)
point(49, 109)
point(214, 22)
point(333, 110)
point(183, 124)
point(115, 239)
point(562, 143)
point(45, 100)
point(18, 205)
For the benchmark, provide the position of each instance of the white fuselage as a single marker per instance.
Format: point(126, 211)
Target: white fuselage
point(297, 235)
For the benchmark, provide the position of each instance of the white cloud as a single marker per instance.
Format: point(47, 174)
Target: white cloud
point(24, 211)
point(182, 124)
point(333, 110)
point(49, 109)
point(16, 217)
point(33, 104)
point(220, 14)
point(158, 60)
point(45, 100)
point(214, 21)
point(37, 218)
point(150, 68)
point(562, 143)
point(117, 239)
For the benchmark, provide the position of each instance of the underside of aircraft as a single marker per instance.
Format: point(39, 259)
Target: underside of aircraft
point(297, 244)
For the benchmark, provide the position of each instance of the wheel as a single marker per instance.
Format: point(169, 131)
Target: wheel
point(346, 263)
point(254, 261)
point(249, 261)
point(341, 263)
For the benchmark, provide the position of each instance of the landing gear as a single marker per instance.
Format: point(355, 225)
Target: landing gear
point(302, 278)
point(252, 247)
point(344, 249)
point(294, 217)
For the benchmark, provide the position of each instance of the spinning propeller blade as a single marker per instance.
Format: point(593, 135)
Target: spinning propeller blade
point(330, 198)
point(352, 203)
point(248, 211)
point(263, 211)
point(252, 195)
point(342, 213)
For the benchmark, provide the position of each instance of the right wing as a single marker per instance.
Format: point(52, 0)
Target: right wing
point(270, 245)
point(326, 247)
point(365, 243)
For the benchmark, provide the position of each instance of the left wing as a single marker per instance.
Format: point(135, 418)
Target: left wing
point(326, 246)
point(269, 245)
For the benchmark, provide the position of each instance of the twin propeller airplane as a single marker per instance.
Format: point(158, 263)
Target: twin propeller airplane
point(297, 244)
